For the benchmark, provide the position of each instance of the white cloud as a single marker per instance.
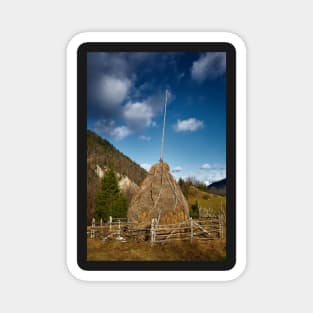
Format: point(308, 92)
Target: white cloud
point(146, 166)
point(138, 115)
point(190, 124)
point(112, 91)
point(209, 65)
point(205, 166)
point(109, 128)
point(114, 94)
point(177, 169)
point(145, 138)
point(120, 132)
point(210, 176)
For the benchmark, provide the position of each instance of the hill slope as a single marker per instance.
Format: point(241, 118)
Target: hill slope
point(102, 155)
point(218, 188)
point(205, 200)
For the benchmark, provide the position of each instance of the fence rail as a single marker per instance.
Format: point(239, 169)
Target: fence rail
point(210, 228)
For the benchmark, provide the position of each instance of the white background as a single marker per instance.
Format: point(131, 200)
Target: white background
point(33, 274)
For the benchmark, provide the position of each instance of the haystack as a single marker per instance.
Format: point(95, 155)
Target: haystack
point(159, 197)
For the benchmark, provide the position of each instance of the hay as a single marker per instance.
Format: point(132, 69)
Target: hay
point(159, 197)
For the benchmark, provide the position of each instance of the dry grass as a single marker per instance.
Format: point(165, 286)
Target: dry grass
point(206, 200)
point(159, 197)
point(143, 251)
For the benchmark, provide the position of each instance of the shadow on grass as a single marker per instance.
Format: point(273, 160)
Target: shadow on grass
point(143, 251)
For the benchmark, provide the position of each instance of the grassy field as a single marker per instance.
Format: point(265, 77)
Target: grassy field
point(205, 199)
point(98, 250)
point(204, 250)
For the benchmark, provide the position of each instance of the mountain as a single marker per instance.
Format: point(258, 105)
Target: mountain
point(102, 155)
point(218, 187)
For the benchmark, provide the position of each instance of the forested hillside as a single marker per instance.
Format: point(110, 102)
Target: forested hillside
point(101, 153)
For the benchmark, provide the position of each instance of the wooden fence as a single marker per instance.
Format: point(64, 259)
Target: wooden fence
point(210, 228)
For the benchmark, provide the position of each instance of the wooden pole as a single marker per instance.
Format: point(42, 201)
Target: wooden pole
point(101, 228)
point(191, 229)
point(221, 227)
point(93, 226)
point(163, 130)
point(110, 223)
point(119, 229)
point(152, 231)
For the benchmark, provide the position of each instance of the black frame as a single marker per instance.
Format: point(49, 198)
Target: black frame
point(82, 51)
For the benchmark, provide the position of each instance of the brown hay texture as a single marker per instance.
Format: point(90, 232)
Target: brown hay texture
point(159, 197)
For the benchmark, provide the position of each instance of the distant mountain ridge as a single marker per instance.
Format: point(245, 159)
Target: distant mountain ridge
point(218, 187)
point(101, 155)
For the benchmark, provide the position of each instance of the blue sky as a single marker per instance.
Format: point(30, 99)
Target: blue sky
point(125, 99)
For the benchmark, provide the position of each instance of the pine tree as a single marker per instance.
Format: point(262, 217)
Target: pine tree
point(183, 186)
point(194, 210)
point(109, 201)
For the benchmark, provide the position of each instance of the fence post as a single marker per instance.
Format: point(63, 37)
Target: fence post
point(119, 230)
point(221, 226)
point(93, 226)
point(101, 226)
point(191, 229)
point(110, 222)
point(152, 231)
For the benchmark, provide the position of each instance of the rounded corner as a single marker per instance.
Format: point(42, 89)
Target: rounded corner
point(235, 41)
point(77, 41)
point(76, 271)
point(237, 270)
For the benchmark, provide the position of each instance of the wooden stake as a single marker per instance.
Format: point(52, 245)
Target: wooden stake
point(153, 231)
point(110, 222)
point(162, 142)
point(93, 230)
point(221, 226)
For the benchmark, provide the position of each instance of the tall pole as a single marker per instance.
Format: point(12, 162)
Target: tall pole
point(162, 142)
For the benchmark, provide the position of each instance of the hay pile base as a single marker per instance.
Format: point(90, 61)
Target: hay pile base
point(159, 197)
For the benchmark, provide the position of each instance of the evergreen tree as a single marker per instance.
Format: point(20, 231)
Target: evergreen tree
point(194, 210)
point(183, 186)
point(109, 201)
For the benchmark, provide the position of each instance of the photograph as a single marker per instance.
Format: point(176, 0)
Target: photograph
point(156, 155)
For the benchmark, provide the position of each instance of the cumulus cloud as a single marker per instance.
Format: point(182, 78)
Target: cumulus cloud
point(205, 166)
point(208, 166)
point(210, 176)
point(115, 95)
point(177, 169)
point(119, 133)
point(138, 115)
point(145, 138)
point(190, 124)
point(108, 127)
point(209, 66)
point(111, 80)
point(119, 64)
point(112, 91)
point(146, 166)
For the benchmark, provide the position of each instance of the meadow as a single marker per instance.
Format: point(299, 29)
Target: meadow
point(211, 250)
